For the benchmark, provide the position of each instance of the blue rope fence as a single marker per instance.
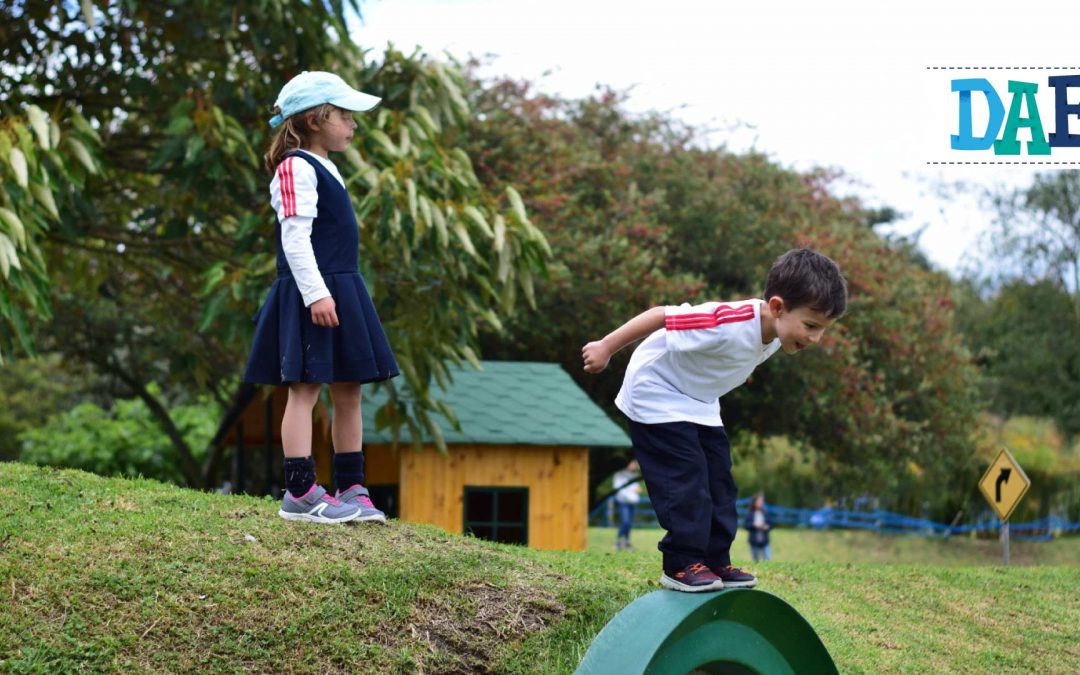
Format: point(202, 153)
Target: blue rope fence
point(1044, 529)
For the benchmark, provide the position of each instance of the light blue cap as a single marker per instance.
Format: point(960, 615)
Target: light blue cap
point(315, 87)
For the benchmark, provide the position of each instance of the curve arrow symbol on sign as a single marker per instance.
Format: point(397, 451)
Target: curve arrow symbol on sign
point(1003, 477)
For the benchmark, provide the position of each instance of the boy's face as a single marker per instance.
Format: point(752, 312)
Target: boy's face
point(798, 328)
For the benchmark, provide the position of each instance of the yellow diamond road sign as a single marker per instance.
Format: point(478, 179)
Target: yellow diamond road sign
point(1004, 484)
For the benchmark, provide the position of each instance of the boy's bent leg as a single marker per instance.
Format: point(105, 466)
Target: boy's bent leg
point(672, 464)
point(724, 519)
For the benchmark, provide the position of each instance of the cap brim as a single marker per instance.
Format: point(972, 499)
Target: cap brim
point(356, 101)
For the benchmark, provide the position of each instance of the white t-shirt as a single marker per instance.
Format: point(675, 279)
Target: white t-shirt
point(679, 373)
point(294, 196)
point(627, 494)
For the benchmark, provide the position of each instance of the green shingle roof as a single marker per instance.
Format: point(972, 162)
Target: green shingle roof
point(512, 403)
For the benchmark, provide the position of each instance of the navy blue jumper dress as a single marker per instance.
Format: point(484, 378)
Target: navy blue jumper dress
point(288, 347)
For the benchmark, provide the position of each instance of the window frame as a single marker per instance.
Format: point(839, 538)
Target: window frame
point(495, 523)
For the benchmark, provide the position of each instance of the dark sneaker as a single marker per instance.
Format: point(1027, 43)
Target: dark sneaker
point(693, 578)
point(316, 507)
point(359, 497)
point(733, 577)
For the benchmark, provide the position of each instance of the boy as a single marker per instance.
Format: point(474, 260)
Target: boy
point(671, 393)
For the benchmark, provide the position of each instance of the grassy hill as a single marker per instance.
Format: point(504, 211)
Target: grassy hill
point(110, 574)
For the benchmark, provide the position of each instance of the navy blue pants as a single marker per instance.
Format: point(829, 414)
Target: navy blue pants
point(626, 519)
point(687, 470)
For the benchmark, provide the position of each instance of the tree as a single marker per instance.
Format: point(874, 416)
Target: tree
point(161, 257)
point(1030, 362)
point(1038, 230)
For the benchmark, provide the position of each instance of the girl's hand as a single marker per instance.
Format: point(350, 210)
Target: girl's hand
point(596, 356)
point(324, 312)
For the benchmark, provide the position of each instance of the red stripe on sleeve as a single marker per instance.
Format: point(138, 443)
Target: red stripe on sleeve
point(287, 188)
point(723, 314)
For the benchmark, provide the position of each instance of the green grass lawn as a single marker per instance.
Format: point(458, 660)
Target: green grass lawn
point(116, 575)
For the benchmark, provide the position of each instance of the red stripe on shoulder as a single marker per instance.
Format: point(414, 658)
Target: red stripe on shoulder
point(721, 315)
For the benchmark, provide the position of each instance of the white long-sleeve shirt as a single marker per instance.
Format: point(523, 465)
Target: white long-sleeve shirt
point(294, 196)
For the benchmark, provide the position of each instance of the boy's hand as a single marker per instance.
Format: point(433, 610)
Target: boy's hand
point(596, 355)
point(324, 312)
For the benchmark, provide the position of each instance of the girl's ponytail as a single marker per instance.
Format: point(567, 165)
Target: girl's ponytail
point(287, 138)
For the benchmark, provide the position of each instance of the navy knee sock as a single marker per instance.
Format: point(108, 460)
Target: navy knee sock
point(299, 475)
point(348, 469)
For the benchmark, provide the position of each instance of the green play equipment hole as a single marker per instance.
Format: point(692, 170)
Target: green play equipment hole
point(736, 632)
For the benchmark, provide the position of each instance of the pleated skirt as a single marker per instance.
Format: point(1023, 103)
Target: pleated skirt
point(288, 347)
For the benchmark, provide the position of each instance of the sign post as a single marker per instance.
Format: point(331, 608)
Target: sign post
point(1003, 485)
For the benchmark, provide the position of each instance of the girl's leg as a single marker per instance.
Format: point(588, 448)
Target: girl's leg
point(348, 432)
point(296, 422)
point(296, 438)
point(347, 427)
point(767, 550)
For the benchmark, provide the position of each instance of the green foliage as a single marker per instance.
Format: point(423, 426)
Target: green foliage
point(33, 390)
point(167, 252)
point(45, 158)
point(125, 439)
point(612, 247)
point(1025, 341)
point(787, 473)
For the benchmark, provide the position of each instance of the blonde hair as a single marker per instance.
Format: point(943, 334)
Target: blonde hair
point(293, 132)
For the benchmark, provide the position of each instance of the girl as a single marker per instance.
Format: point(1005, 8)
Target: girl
point(758, 525)
point(318, 324)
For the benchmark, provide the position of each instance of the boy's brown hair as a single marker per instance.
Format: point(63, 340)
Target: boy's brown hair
point(803, 277)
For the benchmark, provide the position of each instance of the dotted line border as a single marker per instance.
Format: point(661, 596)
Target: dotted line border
point(1003, 163)
point(1003, 67)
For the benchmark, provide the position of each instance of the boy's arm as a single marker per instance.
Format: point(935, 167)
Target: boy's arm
point(597, 354)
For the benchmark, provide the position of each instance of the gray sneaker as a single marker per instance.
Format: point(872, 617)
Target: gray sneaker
point(317, 506)
point(359, 497)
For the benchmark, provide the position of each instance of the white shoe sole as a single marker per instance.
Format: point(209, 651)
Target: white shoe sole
point(377, 518)
point(307, 517)
point(674, 585)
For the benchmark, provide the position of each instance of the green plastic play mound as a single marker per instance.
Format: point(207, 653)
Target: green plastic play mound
point(738, 631)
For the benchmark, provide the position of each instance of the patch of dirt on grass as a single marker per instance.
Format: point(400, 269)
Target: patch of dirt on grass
point(467, 637)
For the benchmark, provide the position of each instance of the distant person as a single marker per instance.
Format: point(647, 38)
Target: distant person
point(671, 393)
point(628, 483)
point(318, 325)
point(757, 524)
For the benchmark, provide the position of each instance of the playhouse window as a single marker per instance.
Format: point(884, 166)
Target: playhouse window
point(498, 513)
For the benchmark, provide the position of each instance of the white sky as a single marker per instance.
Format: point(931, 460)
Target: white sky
point(839, 84)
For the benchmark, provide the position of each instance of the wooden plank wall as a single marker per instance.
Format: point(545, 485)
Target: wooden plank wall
point(382, 464)
point(432, 487)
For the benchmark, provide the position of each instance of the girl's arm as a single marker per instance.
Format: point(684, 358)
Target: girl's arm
point(294, 196)
point(597, 354)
